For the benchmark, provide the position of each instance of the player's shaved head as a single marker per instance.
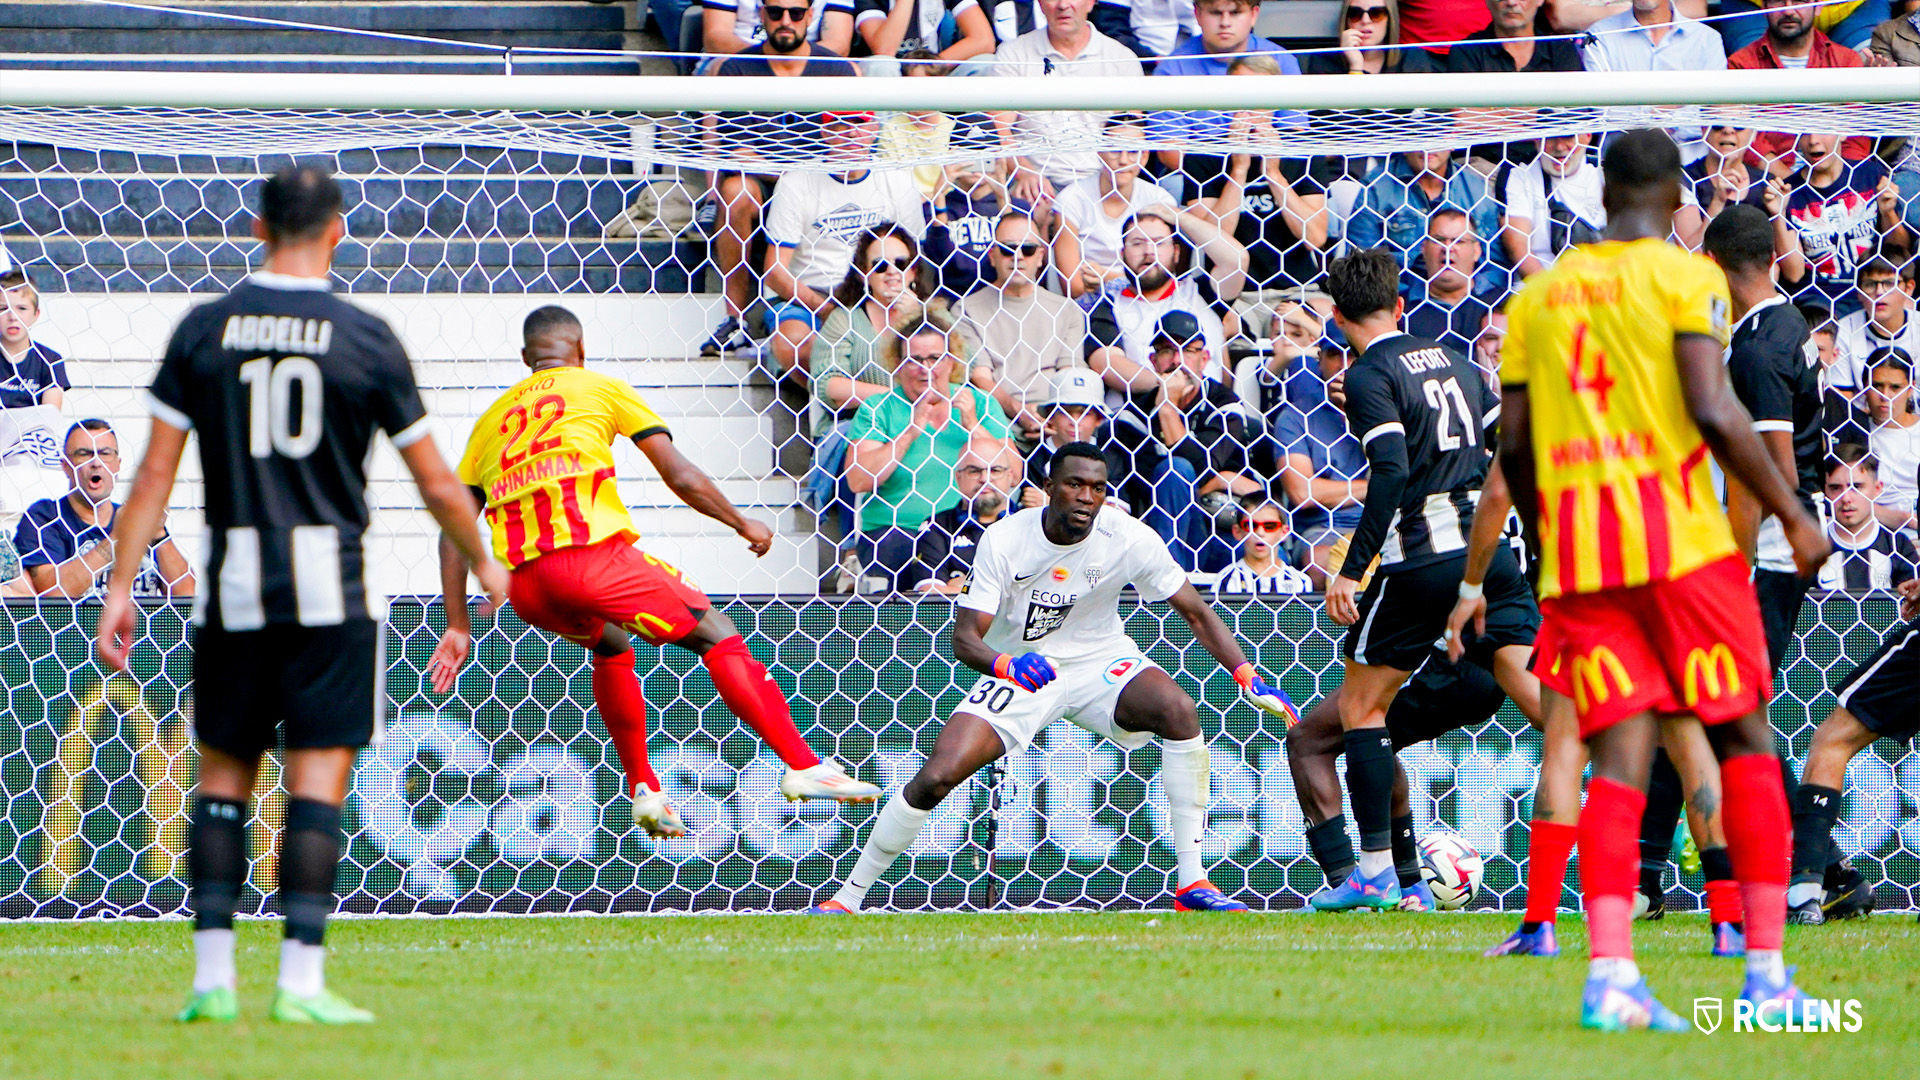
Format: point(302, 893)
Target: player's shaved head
point(1741, 240)
point(1643, 177)
point(298, 203)
point(552, 336)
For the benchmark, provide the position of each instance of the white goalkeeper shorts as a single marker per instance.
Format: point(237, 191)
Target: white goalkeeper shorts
point(1085, 692)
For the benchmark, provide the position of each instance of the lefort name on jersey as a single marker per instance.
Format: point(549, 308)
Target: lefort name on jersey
point(1424, 360)
point(277, 334)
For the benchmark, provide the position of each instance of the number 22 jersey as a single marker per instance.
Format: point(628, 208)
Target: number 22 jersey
point(543, 456)
point(1064, 602)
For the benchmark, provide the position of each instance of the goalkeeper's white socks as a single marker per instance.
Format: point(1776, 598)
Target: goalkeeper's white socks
point(300, 968)
point(1183, 772)
point(893, 832)
point(213, 960)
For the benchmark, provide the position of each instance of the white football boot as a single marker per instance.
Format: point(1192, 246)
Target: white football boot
point(652, 812)
point(827, 780)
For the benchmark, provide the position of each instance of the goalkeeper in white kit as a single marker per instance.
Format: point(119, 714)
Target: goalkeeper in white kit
point(1039, 619)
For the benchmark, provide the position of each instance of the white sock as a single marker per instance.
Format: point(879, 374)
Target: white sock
point(893, 833)
point(300, 968)
point(1802, 891)
point(1768, 964)
point(1618, 971)
point(1375, 863)
point(212, 960)
point(1183, 771)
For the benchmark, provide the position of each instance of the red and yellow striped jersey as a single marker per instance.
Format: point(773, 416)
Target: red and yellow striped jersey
point(1626, 493)
point(543, 454)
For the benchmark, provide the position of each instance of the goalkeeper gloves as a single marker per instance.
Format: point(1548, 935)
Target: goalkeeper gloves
point(1030, 671)
point(1262, 695)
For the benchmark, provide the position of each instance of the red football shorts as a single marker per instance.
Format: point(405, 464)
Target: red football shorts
point(574, 591)
point(1547, 664)
point(1693, 644)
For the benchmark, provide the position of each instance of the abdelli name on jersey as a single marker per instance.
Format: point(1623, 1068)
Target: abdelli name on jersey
point(277, 334)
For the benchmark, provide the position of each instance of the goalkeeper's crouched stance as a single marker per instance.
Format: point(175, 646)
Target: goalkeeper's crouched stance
point(1039, 619)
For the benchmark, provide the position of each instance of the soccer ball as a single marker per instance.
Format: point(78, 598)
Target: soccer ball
point(1451, 868)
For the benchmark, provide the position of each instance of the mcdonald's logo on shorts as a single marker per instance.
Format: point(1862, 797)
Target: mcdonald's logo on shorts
point(1596, 676)
point(1719, 671)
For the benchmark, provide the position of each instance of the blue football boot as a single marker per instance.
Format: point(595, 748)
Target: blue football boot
point(1378, 893)
point(1202, 896)
point(1605, 1007)
point(1417, 897)
point(1779, 1000)
point(1729, 940)
point(1520, 943)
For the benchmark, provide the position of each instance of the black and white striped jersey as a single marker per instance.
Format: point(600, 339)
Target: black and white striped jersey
point(1415, 399)
point(285, 383)
point(1878, 558)
point(1239, 579)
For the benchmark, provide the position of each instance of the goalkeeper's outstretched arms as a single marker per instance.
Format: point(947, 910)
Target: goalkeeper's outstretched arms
point(1220, 642)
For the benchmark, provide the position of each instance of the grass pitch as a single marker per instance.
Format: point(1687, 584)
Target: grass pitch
point(938, 996)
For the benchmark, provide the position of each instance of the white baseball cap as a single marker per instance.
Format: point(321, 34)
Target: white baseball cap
point(1077, 386)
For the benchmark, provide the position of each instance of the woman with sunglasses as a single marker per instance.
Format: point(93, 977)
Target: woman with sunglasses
point(1370, 44)
point(1086, 243)
point(880, 295)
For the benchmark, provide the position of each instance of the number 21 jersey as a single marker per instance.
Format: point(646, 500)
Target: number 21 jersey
point(543, 455)
point(285, 383)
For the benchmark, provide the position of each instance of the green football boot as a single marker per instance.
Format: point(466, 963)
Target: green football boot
point(325, 1007)
point(216, 1004)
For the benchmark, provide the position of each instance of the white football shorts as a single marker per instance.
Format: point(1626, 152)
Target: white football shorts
point(1085, 692)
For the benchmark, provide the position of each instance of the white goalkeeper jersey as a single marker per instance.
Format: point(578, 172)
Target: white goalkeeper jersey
point(1064, 602)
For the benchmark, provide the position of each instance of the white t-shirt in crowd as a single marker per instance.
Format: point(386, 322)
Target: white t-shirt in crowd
point(1064, 602)
point(1898, 450)
point(1100, 237)
point(1032, 53)
point(1528, 197)
point(1855, 337)
point(820, 215)
point(1138, 317)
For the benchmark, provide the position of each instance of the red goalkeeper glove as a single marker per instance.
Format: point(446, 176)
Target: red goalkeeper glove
point(1265, 696)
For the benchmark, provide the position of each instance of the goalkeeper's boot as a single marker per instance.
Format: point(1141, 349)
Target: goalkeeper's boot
point(1523, 942)
point(1202, 896)
point(1378, 893)
point(1847, 896)
point(1729, 939)
point(1606, 1007)
point(218, 1003)
point(1649, 907)
point(829, 907)
point(325, 1007)
point(652, 812)
point(827, 780)
point(1417, 897)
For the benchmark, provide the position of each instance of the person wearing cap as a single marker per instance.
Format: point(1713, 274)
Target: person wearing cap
point(1074, 411)
point(1019, 333)
point(1324, 470)
point(986, 477)
point(1164, 255)
point(1186, 438)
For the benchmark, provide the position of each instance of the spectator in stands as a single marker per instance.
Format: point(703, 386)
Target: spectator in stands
point(1492, 341)
point(1866, 555)
point(1370, 44)
point(1092, 212)
point(1792, 42)
point(812, 222)
point(1894, 436)
point(1325, 475)
point(959, 243)
point(1884, 321)
point(1397, 203)
point(66, 544)
point(1018, 332)
point(1441, 302)
point(1730, 173)
point(739, 197)
point(1066, 47)
point(30, 373)
point(1185, 437)
point(13, 580)
point(1511, 43)
point(877, 298)
point(1225, 32)
point(1441, 22)
point(1162, 276)
point(1265, 566)
point(1841, 213)
point(905, 445)
point(986, 478)
point(825, 25)
point(1011, 18)
point(1549, 203)
point(918, 138)
point(1260, 379)
point(1075, 408)
point(1652, 35)
point(1277, 209)
point(893, 28)
point(1897, 40)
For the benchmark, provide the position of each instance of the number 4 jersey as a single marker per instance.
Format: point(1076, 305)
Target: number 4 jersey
point(285, 383)
point(543, 455)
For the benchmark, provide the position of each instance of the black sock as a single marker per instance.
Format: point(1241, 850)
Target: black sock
point(217, 860)
point(1332, 848)
point(1716, 864)
point(1662, 816)
point(309, 859)
point(1370, 785)
point(1815, 809)
point(1406, 852)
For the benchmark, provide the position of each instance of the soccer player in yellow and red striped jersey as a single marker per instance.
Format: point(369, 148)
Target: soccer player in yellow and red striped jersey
point(541, 461)
point(1614, 394)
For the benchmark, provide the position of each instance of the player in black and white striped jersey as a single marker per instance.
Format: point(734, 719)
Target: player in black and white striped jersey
point(1866, 554)
point(286, 384)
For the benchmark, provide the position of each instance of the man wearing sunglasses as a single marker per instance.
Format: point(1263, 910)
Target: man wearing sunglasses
point(731, 27)
point(1019, 333)
point(66, 544)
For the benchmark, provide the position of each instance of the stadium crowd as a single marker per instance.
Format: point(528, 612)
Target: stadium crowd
point(948, 327)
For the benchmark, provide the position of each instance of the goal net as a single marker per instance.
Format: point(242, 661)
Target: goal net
point(879, 204)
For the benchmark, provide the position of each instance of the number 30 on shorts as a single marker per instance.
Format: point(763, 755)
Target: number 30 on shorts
point(996, 696)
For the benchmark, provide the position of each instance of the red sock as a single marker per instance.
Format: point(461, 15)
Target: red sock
point(1548, 844)
point(1723, 902)
point(755, 698)
point(616, 690)
point(1760, 843)
point(1610, 864)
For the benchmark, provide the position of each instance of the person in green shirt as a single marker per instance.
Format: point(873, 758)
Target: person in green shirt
point(906, 443)
point(879, 294)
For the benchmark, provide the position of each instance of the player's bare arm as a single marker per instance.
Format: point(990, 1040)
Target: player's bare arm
point(1489, 526)
point(453, 507)
point(134, 527)
point(695, 488)
point(1728, 430)
point(1220, 643)
point(450, 655)
point(1743, 509)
